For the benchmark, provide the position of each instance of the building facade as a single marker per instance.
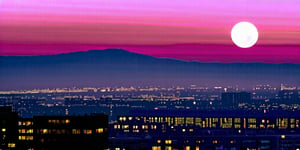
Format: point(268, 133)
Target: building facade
point(212, 129)
point(71, 132)
point(53, 132)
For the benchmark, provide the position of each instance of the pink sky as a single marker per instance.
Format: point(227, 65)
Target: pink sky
point(190, 30)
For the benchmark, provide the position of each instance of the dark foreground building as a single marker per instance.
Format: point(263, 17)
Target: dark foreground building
point(8, 128)
point(53, 132)
point(71, 132)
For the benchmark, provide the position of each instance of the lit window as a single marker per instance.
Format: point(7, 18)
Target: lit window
point(270, 126)
point(151, 119)
point(189, 120)
point(145, 127)
point(237, 126)
point(282, 123)
point(45, 131)
point(226, 122)
point(179, 120)
point(155, 119)
point(75, 131)
point(215, 141)
point(28, 123)
point(261, 126)
point(11, 145)
point(135, 126)
point(198, 121)
point(67, 121)
point(26, 138)
point(214, 122)
point(251, 120)
point(20, 138)
point(156, 148)
point(87, 131)
point(187, 148)
point(117, 126)
point(158, 141)
point(122, 118)
point(53, 121)
point(252, 123)
point(29, 131)
point(99, 130)
point(29, 138)
point(22, 130)
point(168, 141)
point(237, 120)
point(169, 120)
point(125, 126)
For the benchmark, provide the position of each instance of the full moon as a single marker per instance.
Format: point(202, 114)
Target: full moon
point(244, 34)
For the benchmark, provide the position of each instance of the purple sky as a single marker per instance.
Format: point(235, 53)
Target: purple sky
point(190, 30)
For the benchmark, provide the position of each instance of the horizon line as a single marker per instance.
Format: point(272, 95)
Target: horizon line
point(125, 50)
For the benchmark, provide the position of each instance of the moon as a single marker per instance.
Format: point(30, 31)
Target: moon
point(244, 34)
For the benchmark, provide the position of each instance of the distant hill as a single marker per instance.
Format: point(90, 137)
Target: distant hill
point(123, 68)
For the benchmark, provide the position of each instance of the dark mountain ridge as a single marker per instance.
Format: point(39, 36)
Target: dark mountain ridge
point(113, 67)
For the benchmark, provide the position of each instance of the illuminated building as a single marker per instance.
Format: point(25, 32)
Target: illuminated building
point(25, 131)
point(211, 129)
point(71, 132)
point(221, 119)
